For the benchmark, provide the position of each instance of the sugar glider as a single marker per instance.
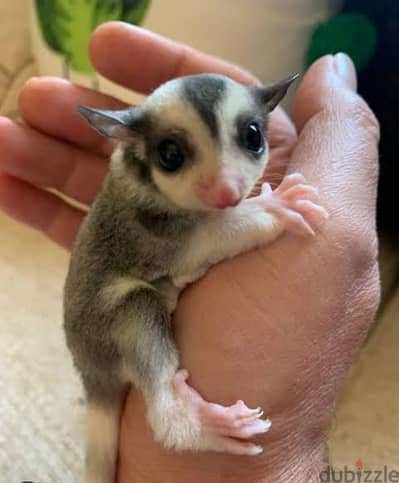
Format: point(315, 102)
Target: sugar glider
point(172, 205)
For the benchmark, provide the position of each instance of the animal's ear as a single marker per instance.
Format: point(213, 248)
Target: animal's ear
point(270, 95)
point(119, 125)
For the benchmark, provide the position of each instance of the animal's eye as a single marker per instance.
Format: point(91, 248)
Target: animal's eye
point(252, 138)
point(171, 156)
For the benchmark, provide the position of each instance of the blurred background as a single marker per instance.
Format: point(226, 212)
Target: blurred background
point(41, 403)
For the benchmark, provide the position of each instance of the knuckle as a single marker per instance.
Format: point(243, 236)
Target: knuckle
point(359, 253)
point(367, 295)
point(361, 243)
point(366, 247)
point(357, 109)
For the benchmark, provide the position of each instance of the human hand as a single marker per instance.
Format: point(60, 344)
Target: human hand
point(280, 326)
point(301, 307)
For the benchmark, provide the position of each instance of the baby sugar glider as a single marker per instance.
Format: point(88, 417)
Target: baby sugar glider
point(172, 205)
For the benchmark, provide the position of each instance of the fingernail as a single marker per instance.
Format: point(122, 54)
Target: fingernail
point(346, 70)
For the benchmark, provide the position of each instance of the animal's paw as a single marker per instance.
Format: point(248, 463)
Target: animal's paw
point(293, 202)
point(223, 429)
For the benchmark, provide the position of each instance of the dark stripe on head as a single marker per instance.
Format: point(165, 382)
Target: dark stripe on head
point(205, 92)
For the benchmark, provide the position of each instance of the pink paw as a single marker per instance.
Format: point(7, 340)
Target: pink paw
point(224, 429)
point(293, 203)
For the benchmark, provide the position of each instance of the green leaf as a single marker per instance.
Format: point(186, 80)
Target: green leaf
point(106, 11)
point(134, 11)
point(352, 33)
point(45, 14)
point(68, 24)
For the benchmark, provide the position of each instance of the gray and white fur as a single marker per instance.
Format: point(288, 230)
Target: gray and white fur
point(149, 233)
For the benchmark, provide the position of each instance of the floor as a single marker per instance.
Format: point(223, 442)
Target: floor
point(41, 403)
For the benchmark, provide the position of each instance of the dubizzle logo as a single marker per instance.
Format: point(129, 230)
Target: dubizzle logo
point(359, 474)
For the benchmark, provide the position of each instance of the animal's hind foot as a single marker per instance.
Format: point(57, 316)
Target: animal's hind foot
point(216, 427)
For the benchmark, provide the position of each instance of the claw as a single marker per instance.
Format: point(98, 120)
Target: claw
point(254, 416)
point(220, 425)
point(246, 431)
point(296, 223)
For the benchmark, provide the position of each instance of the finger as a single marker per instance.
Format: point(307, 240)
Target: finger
point(282, 139)
point(46, 162)
point(142, 60)
point(338, 141)
point(40, 210)
point(60, 117)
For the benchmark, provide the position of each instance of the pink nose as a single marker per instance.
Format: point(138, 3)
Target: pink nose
point(226, 196)
point(221, 195)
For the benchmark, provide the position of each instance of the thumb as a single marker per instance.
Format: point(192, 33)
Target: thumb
point(337, 148)
point(323, 86)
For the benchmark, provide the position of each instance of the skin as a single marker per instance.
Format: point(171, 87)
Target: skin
point(282, 324)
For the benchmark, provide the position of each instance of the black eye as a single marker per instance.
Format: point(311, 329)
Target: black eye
point(171, 156)
point(252, 138)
